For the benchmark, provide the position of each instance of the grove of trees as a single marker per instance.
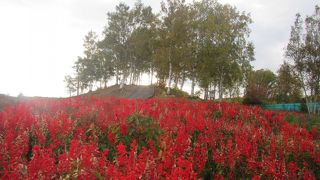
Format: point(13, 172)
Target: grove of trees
point(204, 42)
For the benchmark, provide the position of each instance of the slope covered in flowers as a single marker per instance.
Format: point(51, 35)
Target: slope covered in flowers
point(89, 138)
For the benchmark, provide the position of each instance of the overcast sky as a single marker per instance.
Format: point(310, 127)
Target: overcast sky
point(41, 39)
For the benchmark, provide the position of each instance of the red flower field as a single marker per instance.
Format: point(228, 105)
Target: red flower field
point(94, 138)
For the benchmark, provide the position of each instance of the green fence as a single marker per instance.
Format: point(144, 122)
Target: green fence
point(314, 107)
point(286, 107)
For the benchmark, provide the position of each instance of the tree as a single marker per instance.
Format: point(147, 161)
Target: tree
point(193, 63)
point(129, 38)
point(95, 66)
point(224, 52)
point(117, 33)
point(105, 65)
point(173, 39)
point(288, 86)
point(87, 67)
point(260, 88)
point(70, 84)
point(312, 57)
point(141, 41)
point(304, 50)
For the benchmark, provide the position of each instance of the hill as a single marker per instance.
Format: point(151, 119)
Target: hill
point(128, 91)
point(137, 92)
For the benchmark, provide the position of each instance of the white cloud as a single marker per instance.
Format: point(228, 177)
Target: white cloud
point(271, 26)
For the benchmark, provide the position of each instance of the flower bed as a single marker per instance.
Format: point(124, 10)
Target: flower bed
point(94, 138)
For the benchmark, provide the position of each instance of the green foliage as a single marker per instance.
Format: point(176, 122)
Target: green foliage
point(292, 119)
point(303, 51)
point(143, 129)
point(225, 62)
point(305, 120)
point(234, 100)
point(204, 41)
point(94, 66)
point(260, 87)
point(178, 93)
point(71, 84)
point(313, 122)
point(174, 92)
point(304, 107)
point(288, 86)
point(32, 141)
point(210, 166)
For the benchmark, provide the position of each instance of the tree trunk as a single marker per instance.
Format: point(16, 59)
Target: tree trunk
point(221, 88)
point(78, 85)
point(316, 97)
point(105, 83)
point(131, 76)
point(182, 81)
point(211, 92)
point(151, 75)
point(305, 92)
point(205, 93)
point(117, 76)
point(238, 91)
point(214, 91)
point(175, 82)
point(170, 75)
point(139, 78)
point(90, 86)
point(122, 81)
point(192, 86)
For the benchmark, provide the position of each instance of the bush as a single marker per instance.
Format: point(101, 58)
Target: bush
point(251, 101)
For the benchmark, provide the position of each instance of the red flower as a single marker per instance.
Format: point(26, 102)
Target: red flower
point(121, 152)
point(124, 128)
point(68, 140)
point(111, 138)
